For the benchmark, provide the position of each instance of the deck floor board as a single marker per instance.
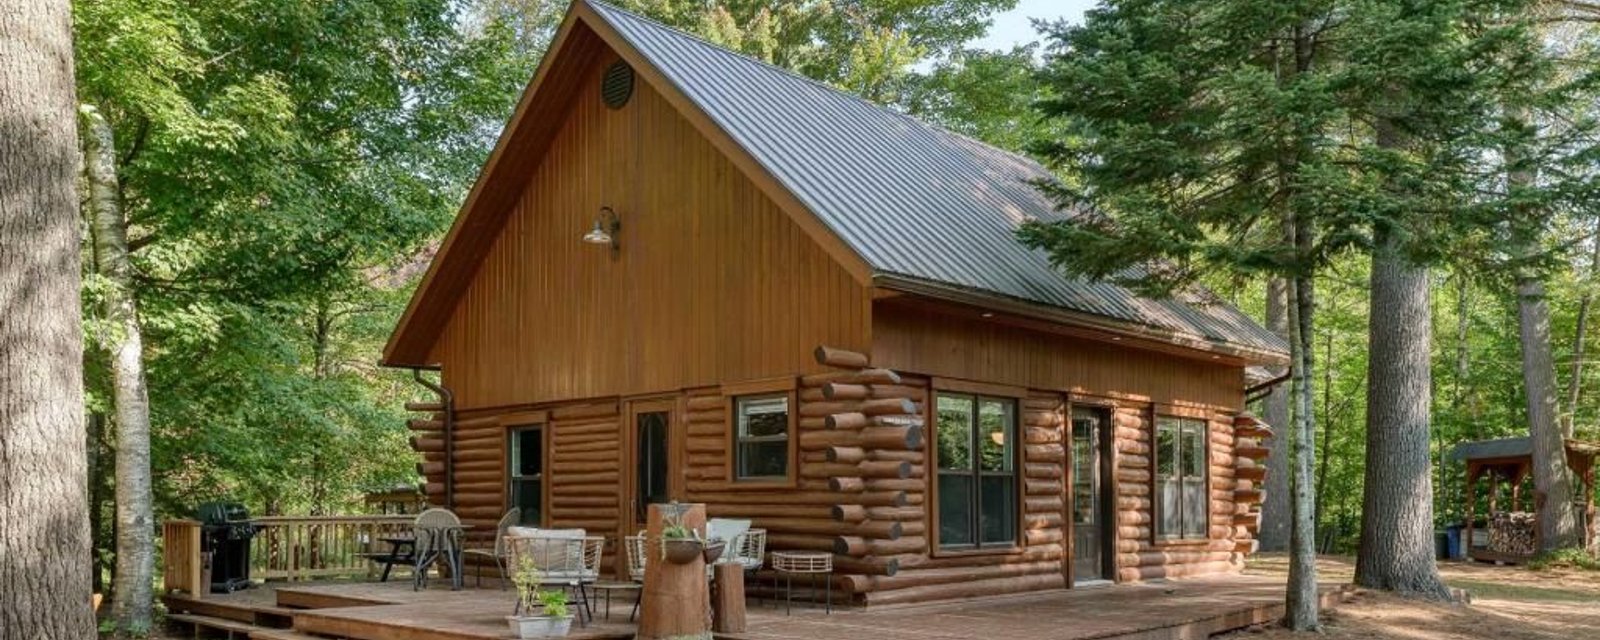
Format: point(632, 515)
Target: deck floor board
point(1177, 610)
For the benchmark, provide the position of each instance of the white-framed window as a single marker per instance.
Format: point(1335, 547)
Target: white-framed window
point(761, 437)
point(1183, 499)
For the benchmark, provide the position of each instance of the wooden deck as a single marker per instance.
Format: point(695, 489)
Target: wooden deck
point(1191, 609)
point(1179, 610)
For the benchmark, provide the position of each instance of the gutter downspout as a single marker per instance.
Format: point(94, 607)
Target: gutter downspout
point(1260, 391)
point(448, 408)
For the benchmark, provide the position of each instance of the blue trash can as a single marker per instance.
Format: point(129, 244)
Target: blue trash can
point(1453, 534)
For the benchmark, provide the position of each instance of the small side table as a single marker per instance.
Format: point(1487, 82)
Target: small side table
point(808, 563)
point(609, 586)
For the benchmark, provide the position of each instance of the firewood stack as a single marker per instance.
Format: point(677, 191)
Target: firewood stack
point(1511, 532)
point(1250, 474)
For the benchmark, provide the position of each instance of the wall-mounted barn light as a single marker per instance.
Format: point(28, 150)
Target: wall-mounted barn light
point(606, 226)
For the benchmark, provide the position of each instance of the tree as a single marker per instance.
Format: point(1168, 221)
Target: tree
point(44, 535)
point(1275, 508)
point(1548, 124)
point(124, 342)
point(988, 95)
point(866, 47)
point(1189, 142)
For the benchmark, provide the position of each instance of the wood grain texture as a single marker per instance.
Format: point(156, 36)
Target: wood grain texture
point(659, 314)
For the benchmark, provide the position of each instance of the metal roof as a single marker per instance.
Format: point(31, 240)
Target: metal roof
point(1486, 449)
point(916, 202)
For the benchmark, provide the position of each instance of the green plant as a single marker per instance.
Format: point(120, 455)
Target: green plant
point(555, 604)
point(1563, 558)
point(526, 578)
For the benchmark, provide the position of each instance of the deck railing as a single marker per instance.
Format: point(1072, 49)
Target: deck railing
point(181, 556)
point(285, 548)
point(305, 547)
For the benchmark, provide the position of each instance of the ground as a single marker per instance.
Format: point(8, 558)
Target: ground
point(1508, 603)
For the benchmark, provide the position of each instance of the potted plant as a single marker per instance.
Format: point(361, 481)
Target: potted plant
point(556, 612)
point(680, 544)
point(524, 622)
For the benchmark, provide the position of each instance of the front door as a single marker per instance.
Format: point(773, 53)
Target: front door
point(1092, 514)
point(651, 428)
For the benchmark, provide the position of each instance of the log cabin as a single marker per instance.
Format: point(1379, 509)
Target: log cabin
point(685, 274)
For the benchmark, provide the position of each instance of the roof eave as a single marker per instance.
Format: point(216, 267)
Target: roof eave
point(1068, 317)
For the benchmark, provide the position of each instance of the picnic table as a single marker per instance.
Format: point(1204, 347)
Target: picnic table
point(403, 551)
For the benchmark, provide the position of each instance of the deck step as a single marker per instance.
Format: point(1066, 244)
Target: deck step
point(283, 634)
point(261, 615)
point(231, 627)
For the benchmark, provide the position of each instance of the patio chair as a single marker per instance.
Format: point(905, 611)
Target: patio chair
point(566, 558)
point(498, 553)
point(636, 560)
point(727, 530)
point(437, 534)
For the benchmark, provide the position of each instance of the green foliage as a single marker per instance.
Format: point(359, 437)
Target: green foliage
point(867, 47)
point(555, 603)
point(1568, 558)
point(284, 167)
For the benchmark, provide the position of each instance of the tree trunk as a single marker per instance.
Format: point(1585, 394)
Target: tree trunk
point(1275, 515)
point(1396, 552)
point(1552, 479)
point(1301, 612)
point(124, 343)
point(44, 533)
point(1580, 333)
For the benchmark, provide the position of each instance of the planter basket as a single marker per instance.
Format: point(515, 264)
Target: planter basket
point(682, 550)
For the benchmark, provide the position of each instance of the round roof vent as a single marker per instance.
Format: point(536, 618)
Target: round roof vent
point(616, 87)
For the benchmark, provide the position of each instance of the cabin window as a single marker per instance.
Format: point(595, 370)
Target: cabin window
point(977, 484)
point(761, 446)
point(1184, 501)
point(525, 450)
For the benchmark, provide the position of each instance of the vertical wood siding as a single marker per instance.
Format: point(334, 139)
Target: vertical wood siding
point(972, 349)
point(713, 281)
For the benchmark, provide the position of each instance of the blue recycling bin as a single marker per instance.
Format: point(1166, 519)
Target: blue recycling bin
point(1453, 541)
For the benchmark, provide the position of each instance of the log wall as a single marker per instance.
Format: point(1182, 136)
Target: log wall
point(862, 485)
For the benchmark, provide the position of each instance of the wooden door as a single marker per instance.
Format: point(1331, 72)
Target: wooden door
point(1092, 512)
point(650, 425)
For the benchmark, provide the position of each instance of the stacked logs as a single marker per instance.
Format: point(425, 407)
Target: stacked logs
point(1131, 437)
point(583, 473)
point(1044, 459)
point(1037, 564)
point(860, 477)
point(476, 467)
point(861, 443)
point(1248, 456)
point(428, 441)
point(1138, 558)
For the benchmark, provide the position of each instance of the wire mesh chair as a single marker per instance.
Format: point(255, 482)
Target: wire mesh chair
point(565, 558)
point(498, 554)
point(437, 534)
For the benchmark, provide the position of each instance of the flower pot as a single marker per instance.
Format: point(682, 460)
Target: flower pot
point(681, 550)
point(713, 550)
point(526, 627)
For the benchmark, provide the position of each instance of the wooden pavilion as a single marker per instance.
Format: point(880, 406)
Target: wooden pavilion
point(685, 274)
point(1511, 534)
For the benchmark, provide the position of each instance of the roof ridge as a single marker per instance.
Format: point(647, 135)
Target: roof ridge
point(817, 83)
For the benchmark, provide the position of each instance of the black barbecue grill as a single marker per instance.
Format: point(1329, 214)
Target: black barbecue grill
point(225, 533)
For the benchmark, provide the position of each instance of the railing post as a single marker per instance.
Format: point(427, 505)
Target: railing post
point(180, 556)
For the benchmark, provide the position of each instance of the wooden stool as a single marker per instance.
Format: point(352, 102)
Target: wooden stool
point(810, 563)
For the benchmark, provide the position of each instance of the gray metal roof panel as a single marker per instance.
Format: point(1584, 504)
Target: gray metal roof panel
point(909, 198)
point(1487, 449)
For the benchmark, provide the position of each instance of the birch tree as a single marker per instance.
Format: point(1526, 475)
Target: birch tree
point(123, 340)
